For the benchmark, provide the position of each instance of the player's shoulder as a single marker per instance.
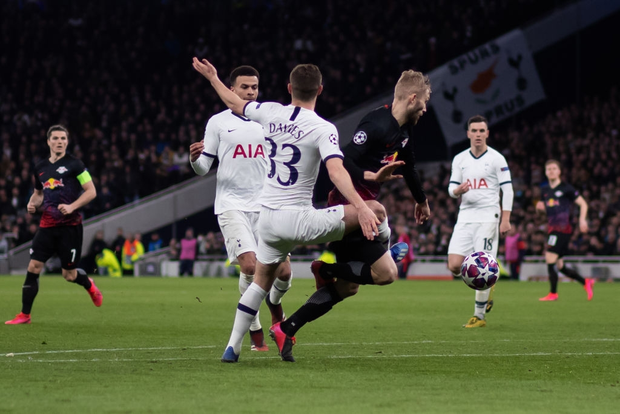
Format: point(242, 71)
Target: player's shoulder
point(44, 162)
point(73, 161)
point(319, 123)
point(228, 116)
point(496, 154)
point(267, 106)
point(463, 155)
point(380, 118)
point(567, 187)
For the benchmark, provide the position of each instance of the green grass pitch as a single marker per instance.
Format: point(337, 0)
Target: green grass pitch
point(155, 347)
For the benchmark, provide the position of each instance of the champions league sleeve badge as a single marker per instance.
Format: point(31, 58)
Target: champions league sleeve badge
point(359, 138)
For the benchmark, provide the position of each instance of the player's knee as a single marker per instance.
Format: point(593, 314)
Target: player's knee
point(285, 275)
point(69, 275)
point(247, 268)
point(35, 267)
point(454, 267)
point(387, 276)
point(377, 208)
point(346, 290)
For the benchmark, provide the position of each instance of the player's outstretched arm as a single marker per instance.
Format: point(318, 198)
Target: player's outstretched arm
point(232, 101)
point(36, 199)
point(342, 180)
point(583, 214)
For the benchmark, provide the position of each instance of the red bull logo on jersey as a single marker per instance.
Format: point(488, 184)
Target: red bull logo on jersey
point(52, 183)
point(249, 152)
point(388, 159)
point(477, 184)
point(553, 202)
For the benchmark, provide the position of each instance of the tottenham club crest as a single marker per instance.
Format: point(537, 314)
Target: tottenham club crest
point(61, 170)
point(359, 138)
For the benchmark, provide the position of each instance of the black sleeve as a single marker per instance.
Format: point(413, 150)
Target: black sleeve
point(37, 183)
point(410, 173)
point(361, 144)
point(571, 192)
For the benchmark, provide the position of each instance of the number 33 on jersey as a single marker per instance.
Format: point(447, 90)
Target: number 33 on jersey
point(297, 139)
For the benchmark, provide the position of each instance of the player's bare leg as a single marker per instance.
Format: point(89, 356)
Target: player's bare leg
point(281, 285)
point(454, 264)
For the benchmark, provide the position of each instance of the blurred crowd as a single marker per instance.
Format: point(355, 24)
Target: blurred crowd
point(118, 75)
point(583, 138)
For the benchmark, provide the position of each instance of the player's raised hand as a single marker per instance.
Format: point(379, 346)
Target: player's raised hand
point(461, 189)
point(195, 150)
point(368, 222)
point(205, 68)
point(422, 212)
point(386, 173)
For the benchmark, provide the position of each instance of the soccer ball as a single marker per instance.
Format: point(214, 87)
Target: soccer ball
point(480, 270)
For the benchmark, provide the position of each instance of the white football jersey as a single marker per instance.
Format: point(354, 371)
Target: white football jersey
point(297, 139)
point(239, 145)
point(484, 175)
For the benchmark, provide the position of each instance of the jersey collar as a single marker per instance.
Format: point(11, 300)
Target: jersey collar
point(243, 118)
point(481, 155)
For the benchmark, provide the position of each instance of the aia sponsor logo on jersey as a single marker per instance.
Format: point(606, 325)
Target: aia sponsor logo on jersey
point(61, 170)
point(248, 152)
point(477, 184)
point(387, 159)
point(52, 183)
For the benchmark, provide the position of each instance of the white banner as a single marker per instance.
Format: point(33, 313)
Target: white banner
point(496, 80)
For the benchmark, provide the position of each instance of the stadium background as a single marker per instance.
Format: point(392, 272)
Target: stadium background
point(118, 75)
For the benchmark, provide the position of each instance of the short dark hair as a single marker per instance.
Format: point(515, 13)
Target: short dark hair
point(244, 70)
point(57, 128)
point(477, 118)
point(305, 80)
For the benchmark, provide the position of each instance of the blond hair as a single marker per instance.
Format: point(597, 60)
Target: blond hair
point(411, 82)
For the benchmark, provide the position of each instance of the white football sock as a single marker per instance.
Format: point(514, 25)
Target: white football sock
point(244, 282)
point(482, 297)
point(246, 310)
point(384, 233)
point(279, 288)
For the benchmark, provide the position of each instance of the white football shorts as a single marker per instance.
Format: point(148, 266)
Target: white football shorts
point(281, 230)
point(474, 237)
point(240, 231)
